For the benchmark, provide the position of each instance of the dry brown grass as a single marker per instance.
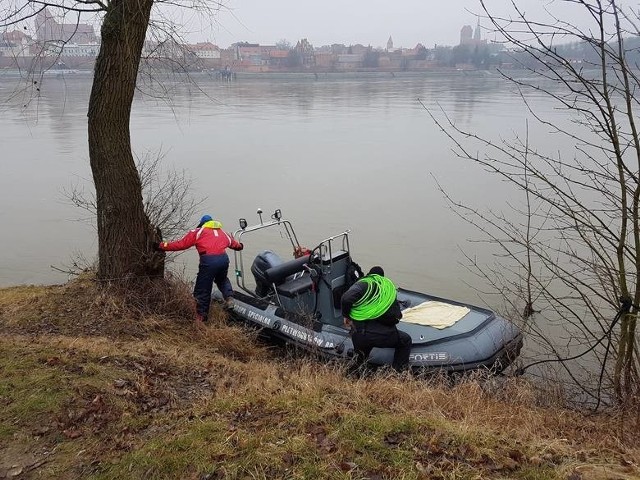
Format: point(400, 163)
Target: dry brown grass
point(97, 383)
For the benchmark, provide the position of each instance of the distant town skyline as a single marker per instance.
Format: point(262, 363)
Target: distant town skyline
point(74, 45)
point(366, 22)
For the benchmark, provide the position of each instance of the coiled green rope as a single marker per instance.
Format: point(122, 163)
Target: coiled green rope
point(380, 294)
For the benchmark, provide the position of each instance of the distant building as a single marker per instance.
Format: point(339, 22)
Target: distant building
point(49, 30)
point(255, 54)
point(17, 37)
point(338, 48)
point(15, 44)
point(252, 53)
point(228, 56)
point(476, 34)
point(390, 44)
point(466, 35)
point(358, 49)
point(326, 59)
point(80, 50)
point(278, 58)
point(470, 37)
point(350, 61)
point(205, 50)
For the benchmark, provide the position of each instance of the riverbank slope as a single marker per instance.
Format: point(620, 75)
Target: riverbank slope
point(95, 386)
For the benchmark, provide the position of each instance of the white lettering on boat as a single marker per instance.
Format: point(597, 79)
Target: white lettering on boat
point(294, 332)
point(251, 315)
point(301, 335)
point(306, 337)
point(429, 357)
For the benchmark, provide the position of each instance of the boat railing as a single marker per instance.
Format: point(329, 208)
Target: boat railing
point(325, 253)
point(326, 249)
point(276, 220)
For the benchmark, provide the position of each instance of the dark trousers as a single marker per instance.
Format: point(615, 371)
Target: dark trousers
point(370, 333)
point(212, 268)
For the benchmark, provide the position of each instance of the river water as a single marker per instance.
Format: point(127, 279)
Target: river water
point(356, 152)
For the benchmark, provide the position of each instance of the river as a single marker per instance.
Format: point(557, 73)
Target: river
point(335, 152)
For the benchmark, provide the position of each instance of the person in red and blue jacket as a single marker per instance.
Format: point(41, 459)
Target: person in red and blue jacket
point(211, 243)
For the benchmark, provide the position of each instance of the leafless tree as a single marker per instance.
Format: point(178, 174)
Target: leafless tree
point(166, 193)
point(125, 232)
point(574, 242)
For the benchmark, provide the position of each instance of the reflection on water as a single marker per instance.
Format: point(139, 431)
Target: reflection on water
point(333, 153)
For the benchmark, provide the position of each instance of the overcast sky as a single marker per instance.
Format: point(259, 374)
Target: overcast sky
point(369, 22)
point(342, 21)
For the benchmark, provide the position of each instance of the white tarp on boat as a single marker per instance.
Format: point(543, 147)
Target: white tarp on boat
point(434, 314)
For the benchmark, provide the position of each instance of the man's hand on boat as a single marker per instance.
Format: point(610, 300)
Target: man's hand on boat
point(301, 252)
point(347, 322)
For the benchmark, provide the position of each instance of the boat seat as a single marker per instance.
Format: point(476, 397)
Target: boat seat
point(278, 274)
point(297, 286)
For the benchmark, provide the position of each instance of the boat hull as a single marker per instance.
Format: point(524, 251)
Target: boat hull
point(480, 341)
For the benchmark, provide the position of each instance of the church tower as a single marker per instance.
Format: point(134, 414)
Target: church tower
point(476, 35)
point(47, 28)
point(390, 44)
point(466, 35)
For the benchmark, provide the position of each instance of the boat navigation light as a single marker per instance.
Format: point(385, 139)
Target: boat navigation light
point(243, 223)
point(277, 215)
point(260, 214)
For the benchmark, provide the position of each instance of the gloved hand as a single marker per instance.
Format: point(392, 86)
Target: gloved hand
point(241, 246)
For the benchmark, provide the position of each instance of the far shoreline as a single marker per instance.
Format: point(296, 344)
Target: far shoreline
point(239, 75)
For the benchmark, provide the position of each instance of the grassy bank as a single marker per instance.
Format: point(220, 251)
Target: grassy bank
point(91, 386)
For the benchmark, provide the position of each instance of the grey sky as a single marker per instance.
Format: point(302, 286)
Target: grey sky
point(343, 21)
point(369, 22)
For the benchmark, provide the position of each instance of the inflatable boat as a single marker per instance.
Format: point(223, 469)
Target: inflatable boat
point(297, 300)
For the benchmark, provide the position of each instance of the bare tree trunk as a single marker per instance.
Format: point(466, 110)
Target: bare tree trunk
point(125, 234)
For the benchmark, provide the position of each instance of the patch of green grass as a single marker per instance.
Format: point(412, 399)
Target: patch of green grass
point(211, 447)
point(189, 448)
point(384, 442)
point(31, 391)
point(6, 430)
point(538, 473)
